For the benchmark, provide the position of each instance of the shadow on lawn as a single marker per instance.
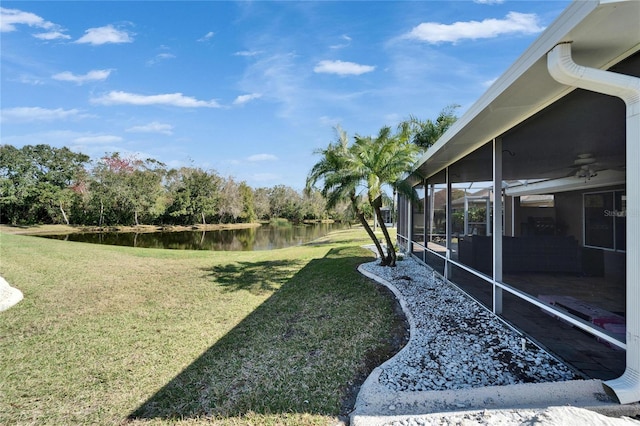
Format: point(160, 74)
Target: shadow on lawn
point(254, 277)
point(306, 349)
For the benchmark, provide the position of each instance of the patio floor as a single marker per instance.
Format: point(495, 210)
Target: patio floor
point(589, 356)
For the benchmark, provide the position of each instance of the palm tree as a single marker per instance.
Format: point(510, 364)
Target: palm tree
point(425, 133)
point(339, 182)
point(379, 161)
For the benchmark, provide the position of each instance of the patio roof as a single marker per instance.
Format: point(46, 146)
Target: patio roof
point(603, 35)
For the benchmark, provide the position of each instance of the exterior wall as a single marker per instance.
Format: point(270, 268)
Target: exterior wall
point(569, 213)
point(527, 213)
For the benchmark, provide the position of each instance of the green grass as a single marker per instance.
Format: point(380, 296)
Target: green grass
point(107, 335)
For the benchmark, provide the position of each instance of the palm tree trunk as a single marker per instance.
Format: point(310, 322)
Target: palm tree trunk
point(367, 228)
point(391, 252)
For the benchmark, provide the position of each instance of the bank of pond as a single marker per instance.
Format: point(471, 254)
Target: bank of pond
point(265, 237)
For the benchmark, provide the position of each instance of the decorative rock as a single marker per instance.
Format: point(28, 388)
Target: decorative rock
point(456, 343)
point(9, 296)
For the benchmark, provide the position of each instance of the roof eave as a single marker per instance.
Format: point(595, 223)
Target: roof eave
point(494, 112)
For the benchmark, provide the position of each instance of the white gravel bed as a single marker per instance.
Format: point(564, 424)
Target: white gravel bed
point(456, 343)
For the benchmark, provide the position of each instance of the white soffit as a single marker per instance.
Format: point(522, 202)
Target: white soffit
point(602, 33)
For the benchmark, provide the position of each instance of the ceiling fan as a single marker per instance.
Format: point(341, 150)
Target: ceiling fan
point(585, 164)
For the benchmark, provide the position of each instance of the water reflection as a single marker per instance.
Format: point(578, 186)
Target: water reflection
point(248, 239)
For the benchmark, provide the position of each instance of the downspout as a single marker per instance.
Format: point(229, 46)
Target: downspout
point(562, 68)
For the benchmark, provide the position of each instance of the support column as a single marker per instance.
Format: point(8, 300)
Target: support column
point(497, 224)
point(428, 209)
point(508, 216)
point(466, 214)
point(448, 226)
point(409, 217)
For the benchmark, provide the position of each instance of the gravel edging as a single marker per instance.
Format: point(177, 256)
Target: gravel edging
point(456, 343)
point(460, 356)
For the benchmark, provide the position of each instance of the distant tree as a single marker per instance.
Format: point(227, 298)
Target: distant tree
point(36, 183)
point(17, 185)
point(196, 194)
point(342, 212)
point(248, 214)
point(314, 205)
point(231, 202)
point(261, 203)
point(109, 189)
point(145, 192)
point(425, 133)
point(285, 202)
point(277, 201)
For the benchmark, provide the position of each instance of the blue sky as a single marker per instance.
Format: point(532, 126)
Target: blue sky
point(248, 89)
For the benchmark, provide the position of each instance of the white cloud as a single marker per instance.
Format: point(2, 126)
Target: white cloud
point(342, 68)
point(243, 99)
point(514, 22)
point(488, 1)
point(247, 53)
point(9, 18)
point(160, 57)
point(51, 35)
point(29, 79)
point(261, 157)
point(28, 114)
point(93, 75)
point(153, 127)
point(172, 99)
point(346, 42)
point(207, 36)
point(97, 139)
point(280, 79)
point(104, 35)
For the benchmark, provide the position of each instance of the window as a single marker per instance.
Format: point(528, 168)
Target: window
point(605, 220)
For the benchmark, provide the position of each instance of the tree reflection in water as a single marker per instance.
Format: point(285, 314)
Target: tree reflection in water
point(247, 239)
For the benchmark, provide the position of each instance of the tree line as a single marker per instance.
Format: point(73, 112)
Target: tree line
point(41, 184)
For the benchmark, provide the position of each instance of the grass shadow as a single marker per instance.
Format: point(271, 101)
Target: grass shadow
point(255, 277)
point(304, 350)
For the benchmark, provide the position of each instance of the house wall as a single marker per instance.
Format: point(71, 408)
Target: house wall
point(569, 210)
point(568, 206)
point(595, 262)
point(535, 213)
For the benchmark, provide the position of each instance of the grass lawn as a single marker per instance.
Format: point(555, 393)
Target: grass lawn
point(112, 335)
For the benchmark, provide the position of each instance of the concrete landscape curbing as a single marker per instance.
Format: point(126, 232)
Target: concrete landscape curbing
point(379, 404)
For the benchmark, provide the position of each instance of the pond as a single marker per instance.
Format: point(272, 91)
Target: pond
point(266, 237)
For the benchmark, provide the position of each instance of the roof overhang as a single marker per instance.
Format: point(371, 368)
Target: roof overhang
point(602, 33)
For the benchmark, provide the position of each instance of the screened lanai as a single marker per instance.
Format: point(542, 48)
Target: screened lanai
point(523, 202)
